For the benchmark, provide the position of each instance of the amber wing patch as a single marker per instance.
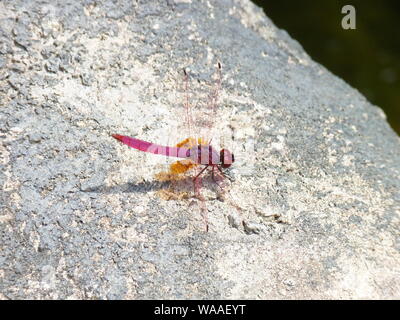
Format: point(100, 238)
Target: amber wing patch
point(179, 167)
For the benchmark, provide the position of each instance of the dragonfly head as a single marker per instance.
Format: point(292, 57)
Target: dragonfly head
point(226, 158)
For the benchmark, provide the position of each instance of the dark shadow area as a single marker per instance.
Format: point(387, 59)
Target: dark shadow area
point(141, 187)
point(368, 58)
point(181, 185)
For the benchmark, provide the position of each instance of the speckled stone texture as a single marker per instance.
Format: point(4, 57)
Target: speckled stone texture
point(311, 210)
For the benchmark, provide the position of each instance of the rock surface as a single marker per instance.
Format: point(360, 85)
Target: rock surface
point(313, 207)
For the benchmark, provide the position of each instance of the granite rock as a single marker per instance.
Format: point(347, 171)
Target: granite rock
point(313, 204)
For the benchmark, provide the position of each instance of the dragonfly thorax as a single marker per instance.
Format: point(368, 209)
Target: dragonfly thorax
point(207, 155)
point(204, 154)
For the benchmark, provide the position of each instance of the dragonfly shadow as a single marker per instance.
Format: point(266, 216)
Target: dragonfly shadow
point(182, 184)
point(140, 187)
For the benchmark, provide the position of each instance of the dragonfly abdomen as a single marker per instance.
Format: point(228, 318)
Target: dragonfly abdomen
point(152, 147)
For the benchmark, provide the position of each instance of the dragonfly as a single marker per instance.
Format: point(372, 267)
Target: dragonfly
point(200, 154)
point(195, 152)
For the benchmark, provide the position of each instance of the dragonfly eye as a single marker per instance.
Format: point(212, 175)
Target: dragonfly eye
point(226, 158)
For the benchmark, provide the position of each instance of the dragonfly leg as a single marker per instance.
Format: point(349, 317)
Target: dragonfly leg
point(220, 170)
point(196, 177)
point(213, 175)
point(223, 174)
point(202, 206)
